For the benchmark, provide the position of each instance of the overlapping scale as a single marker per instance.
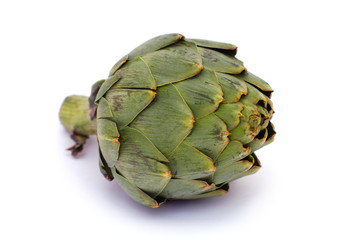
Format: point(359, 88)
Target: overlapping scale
point(155, 44)
point(166, 121)
point(220, 62)
point(219, 191)
point(234, 151)
point(209, 135)
point(184, 188)
point(202, 93)
point(232, 87)
point(254, 168)
point(135, 74)
point(239, 169)
point(225, 48)
point(126, 104)
point(143, 171)
point(271, 134)
point(259, 140)
point(148, 46)
point(108, 137)
point(257, 82)
point(175, 63)
point(227, 173)
point(230, 113)
point(189, 163)
point(133, 191)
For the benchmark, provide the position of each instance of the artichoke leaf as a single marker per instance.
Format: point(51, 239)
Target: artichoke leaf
point(135, 74)
point(134, 143)
point(234, 151)
point(265, 116)
point(209, 135)
point(106, 86)
point(259, 140)
point(146, 173)
point(134, 192)
point(104, 109)
point(229, 172)
point(189, 163)
point(92, 105)
point(255, 167)
point(230, 113)
point(165, 123)
point(220, 62)
point(184, 188)
point(104, 168)
point(271, 134)
point(233, 87)
point(174, 63)
point(140, 162)
point(155, 44)
point(128, 103)
point(254, 96)
point(225, 48)
point(218, 192)
point(257, 82)
point(108, 137)
point(244, 133)
point(202, 93)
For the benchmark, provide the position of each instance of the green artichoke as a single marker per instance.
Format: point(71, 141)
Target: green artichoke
point(177, 118)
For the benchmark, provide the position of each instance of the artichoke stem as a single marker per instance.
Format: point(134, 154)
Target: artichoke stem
point(74, 116)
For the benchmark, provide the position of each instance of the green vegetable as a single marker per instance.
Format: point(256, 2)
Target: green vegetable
point(177, 118)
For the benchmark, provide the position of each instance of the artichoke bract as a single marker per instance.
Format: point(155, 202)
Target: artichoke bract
point(177, 118)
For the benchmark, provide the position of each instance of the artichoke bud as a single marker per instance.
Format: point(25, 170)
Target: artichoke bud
point(177, 118)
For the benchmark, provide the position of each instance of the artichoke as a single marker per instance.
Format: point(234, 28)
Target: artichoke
point(177, 118)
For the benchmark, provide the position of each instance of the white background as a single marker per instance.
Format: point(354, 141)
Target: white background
point(308, 187)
